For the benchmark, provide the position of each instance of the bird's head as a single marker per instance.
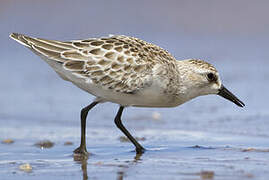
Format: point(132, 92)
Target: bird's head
point(201, 78)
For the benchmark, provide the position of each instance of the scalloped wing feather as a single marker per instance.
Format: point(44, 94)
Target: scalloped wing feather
point(120, 63)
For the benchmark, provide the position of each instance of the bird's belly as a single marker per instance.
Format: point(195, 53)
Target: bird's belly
point(149, 97)
point(152, 96)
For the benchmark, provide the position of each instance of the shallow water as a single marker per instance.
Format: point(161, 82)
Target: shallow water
point(206, 138)
point(172, 154)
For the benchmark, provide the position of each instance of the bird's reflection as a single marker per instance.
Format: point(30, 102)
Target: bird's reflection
point(137, 158)
point(120, 173)
point(84, 164)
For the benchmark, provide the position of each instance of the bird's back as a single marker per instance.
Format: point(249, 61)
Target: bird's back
point(117, 64)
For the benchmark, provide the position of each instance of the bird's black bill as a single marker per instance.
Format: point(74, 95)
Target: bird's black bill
point(228, 95)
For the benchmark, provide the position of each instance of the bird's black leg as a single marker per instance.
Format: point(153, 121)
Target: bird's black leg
point(139, 149)
point(82, 150)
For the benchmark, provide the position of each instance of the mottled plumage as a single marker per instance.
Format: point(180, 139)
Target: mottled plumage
point(119, 63)
point(127, 71)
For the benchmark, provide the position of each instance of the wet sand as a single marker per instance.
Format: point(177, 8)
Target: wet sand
point(173, 153)
point(206, 138)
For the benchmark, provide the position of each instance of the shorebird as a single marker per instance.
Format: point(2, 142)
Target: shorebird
point(129, 72)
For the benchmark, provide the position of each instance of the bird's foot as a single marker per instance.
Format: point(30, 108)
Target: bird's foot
point(80, 153)
point(140, 150)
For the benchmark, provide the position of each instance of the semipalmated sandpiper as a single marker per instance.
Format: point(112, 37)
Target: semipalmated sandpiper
point(129, 72)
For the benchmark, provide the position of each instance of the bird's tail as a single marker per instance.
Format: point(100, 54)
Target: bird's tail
point(59, 55)
point(50, 49)
point(20, 38)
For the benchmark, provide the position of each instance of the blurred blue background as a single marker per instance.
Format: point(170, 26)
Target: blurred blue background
point(232, 35)
point(36, 104)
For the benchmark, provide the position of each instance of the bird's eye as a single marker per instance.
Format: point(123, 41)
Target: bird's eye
point(211, 77)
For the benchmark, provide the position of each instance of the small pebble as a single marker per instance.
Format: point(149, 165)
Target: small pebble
point(68, 143)
point(156, 115)
point(207, 174)
point(249, 175)
point(8, 141)
point(248, 149)
point(44, 144)
point(26, 167)
point(254, 150)
point(99, 163)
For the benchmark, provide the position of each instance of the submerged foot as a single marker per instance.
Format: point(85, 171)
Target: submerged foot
point(140, 150)
point(80, 153)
